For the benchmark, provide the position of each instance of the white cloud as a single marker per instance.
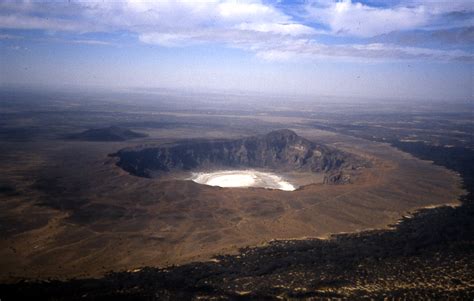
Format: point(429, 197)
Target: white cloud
point(443, 7)
point(9, 37)
point(92, 42)
point(166, 39)
point(250, 25)
point(171, 24)
point(352, 18)
point(292, 29)
point(348, 18)
point(242, 10)
point(18, 48)
point(308, 49)
point(33, 22)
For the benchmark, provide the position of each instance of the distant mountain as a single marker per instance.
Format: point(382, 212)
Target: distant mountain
point(281, 150)
point(112, 133)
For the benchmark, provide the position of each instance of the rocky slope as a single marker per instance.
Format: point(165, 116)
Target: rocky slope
point(281, 150)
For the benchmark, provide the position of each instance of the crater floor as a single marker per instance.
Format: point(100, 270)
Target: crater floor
point(242, 178)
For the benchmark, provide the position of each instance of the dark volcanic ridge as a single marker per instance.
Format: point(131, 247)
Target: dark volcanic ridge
point(112, 133)
point(281, 151)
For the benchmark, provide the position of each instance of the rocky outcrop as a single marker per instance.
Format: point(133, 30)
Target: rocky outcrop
point(112, 133)
point(337, 177)
point(281, 150)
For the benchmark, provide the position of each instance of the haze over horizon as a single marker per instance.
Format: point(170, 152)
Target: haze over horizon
point(407, 48)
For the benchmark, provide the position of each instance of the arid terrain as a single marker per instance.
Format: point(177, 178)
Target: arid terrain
point(316, 150)
point(69, 210)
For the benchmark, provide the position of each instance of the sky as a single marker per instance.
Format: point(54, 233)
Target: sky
point(395, 49)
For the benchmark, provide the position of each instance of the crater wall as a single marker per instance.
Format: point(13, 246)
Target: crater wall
point(281, 150)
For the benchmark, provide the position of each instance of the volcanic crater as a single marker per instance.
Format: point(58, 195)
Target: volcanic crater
point(278, 160)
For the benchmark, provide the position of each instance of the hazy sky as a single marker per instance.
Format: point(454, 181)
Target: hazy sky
point(362, 48)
